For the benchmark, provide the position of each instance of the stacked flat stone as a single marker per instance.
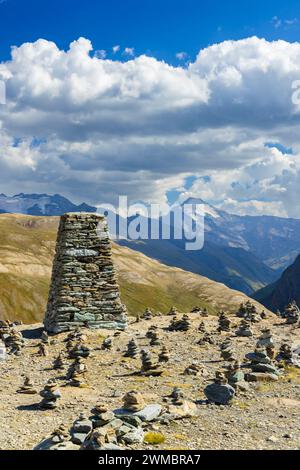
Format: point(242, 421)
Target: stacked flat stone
point(207, 338)
point(164, 355)
point(84, 290)
point(249, 312)
point(77, 368)
point(79, 350)
point(266, 341)
point(262, 367)
point(107, 344)
point(183, 324)
point(173, 311)
point(133, 401)
point(27, 388)
point(147, 315)
point(155, 340)
point(50, 395)
point(236, 377)
point(148, 367)
point(193, 369)
point(196, 309)
point(219, 392)
point(224, 322)
point(58, 363)
point(244, 329)
point(43, 350)
point(14, 342)
point(151, 331)
point(227, 351)
point(292, 313)
point(177, 396)
point(202, 327)
point(287, 356)
point(132, 349)
point(204, 313)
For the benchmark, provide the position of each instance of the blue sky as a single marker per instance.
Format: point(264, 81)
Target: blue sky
point(152, 99)
point(157, 27)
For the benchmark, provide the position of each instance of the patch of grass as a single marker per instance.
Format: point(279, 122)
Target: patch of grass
point(265, 387)
point(242, 405)
point(180, 437)
point(154, 438)
point(291, 374)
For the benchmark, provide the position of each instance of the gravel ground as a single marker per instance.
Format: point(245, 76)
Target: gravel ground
point(265, 417)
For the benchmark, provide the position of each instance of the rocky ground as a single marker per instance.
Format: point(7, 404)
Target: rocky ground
point(264, 417)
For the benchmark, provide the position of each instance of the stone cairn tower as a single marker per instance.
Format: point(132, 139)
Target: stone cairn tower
point(84, 290)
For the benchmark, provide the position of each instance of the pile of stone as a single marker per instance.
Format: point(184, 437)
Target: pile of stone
point(179, 408)
point(79, 350)
point(196, 310)
point(266, 341)
point(148, 366)
point(287, 356)
point(5, 329)
point(173, 311)
point(249, 312)
point(50, 395)
point(84, 291)
point(81, 429)
point(132, 349)
point(14, 342)
point(224, 322)
point(207, 338)
point(27, 388)
point(77, 368)
point(147, 315)
point(204, 313)
point(43, 350)
point(227, 351)
point(262, 367)
point(183, 324)
point(107, 344)
point(292, 313)
point(244, 329)
point(155, 340)
point(164, 355)
point(219, 392)
point(236, 377)
point(58, 363)
point(202, 327)
point(196, 370)
point(151, 331)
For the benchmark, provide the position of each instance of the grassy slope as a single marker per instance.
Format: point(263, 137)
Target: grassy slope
point(26, 251)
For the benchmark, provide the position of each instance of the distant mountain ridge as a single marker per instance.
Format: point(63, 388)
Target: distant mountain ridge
point(244, 252)
point(277, 295)
point(40, 205)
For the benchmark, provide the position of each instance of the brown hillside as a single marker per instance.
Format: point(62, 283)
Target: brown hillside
point(27, 247)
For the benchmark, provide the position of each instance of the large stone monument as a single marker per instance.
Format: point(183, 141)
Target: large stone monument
point(84, 290)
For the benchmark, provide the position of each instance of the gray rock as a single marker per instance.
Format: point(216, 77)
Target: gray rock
point(134, 437)
point(219, 394)
point(149, 413)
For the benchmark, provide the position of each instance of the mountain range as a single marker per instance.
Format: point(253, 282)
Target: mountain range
point(246, 253)
point(27, 247)
point(40, 204)
point(286, 289)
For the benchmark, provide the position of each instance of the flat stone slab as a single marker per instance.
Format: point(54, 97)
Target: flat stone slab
point(149, 413)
